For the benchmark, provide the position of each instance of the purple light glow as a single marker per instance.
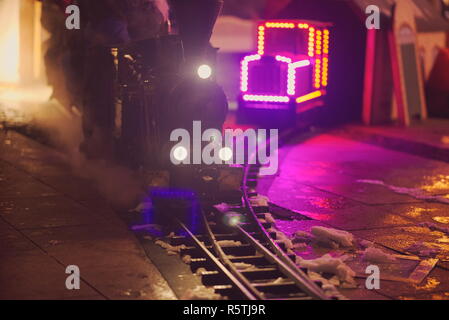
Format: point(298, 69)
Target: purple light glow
point(291, 86)
point(266, 98)
point(245, 70)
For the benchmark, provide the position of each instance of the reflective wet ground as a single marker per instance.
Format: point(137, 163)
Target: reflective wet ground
point(323, 181)
point(52, 217)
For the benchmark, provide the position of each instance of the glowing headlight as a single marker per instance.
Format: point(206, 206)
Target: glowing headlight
point(180, 153)
point(204, 71)
point(233, 219)
point(225, 154)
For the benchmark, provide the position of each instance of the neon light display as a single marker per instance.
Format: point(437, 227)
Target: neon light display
point(291, 64)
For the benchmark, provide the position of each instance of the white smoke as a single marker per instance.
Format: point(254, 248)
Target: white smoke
point(163, 7)
point(62, 128)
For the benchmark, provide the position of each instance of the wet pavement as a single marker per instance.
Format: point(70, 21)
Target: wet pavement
point(324, 180)
point(51, 218)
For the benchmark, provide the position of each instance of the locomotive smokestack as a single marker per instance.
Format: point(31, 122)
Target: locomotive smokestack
point(195, 20)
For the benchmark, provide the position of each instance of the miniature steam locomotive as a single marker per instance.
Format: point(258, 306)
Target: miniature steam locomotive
point(167, 83)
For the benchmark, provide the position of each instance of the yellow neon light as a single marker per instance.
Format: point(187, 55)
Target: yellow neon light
point(310, 96)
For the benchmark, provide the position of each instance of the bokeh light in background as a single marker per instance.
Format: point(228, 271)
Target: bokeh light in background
point(9, 41)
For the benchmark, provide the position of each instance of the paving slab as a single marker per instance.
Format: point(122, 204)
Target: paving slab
point(429, 138)
point(336, 165)
point(36, 276)
point(14, 242)
point(321, 180)
point(16, 184)
point(51, 218)
point(436, 282)
point(402, 238)
point(423, 212)
point(76, 188)
point(332, 209)
point(46, 212)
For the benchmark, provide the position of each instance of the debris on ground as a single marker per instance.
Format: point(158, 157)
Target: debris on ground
point(243, 265)
point(228, 243)
point(300, 246)
point(416, 193)
point(187, 259)
point(201, 293)
point(200, 271)
point(222, 207)
point(269, 218)
point(281, 280)
point(329, 264)
point(366, 243)
point(434, 227)
point(329, 286)
point(421, 249)
point(134, 293)
point(333, 237)
point(259, 201)
point(171, 250)
point(282, 238)
point(376, 255)
point(302, 237)
point(142, 207)
point(54, 242)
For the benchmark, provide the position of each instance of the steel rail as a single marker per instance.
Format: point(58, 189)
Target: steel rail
point(218, 265)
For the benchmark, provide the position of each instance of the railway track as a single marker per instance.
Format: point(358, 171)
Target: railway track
point(237, 255)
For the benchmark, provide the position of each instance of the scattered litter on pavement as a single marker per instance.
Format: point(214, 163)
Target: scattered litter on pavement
point(224, 207)
point(416, 193)
point(333, 237)
point(54, 242)
point(376, 255)
point(243, 265)
point(366, 243)
point(282, 238)
point(200, 271)
point(328, 285)
point(141, 207)
point(281, 280)
point(171, 250)
point(187, 259)
point(134, 293)
point(302, 237)
point(229, 243)
point(422, 249)
point(329, 264)
point(269, 218)
point(259, 200)
point(434, 227)
point(201, 293)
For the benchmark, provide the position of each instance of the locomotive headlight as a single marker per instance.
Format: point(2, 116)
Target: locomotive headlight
point(204, 71)
point(233, 219)
point(180, 153)
point(225, 154)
